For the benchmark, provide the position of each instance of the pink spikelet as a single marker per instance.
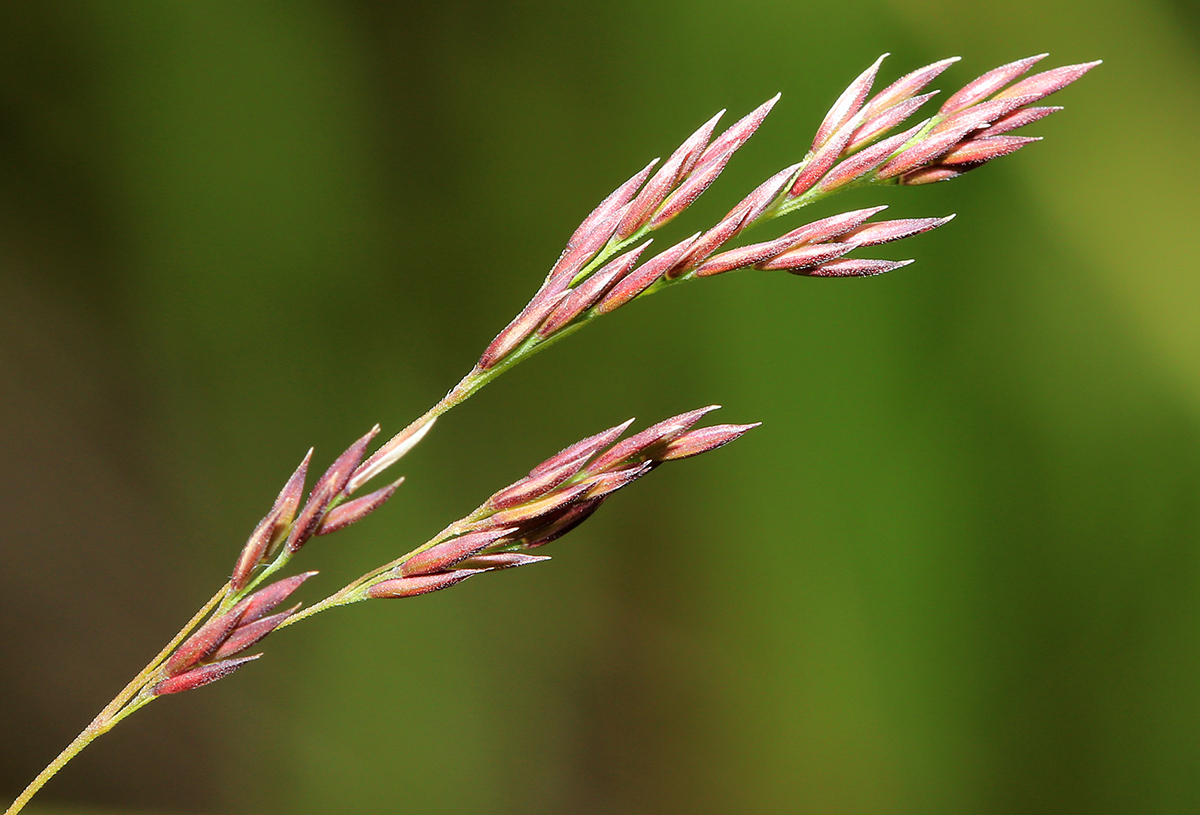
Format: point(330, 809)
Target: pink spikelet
point(983, 87)
point(644, 276)
point(585, 295)
point(615, 202)
point(677, 167)
point(199, 677)
point(398, 587)
point(905, 88)
point(711, 163)
point(847, 104)
point(354, 511)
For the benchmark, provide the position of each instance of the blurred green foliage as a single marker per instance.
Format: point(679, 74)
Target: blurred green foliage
point(957, 570)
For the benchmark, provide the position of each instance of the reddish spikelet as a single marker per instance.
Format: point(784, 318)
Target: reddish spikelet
point(270, 529)
point(854, 267)
point(888, 231)
point(905, 88)
point(644, 276)
point(712, 161)
point(805, 257)
point(200, 677)
point(253, 552)
point(693, 147)
point(203, 643)
point(989, 83)
point(309, 517)
point(572, 261)
point(289, 497)
point(392, 451)
point(248, 635)
point(978, 151)
point(563, 523)
point(608, 482)
point(500, 560)
point(1039, 86)
point(536, 509)
point(929, 175)
point(678, 166)
point(445, 554)
point(354, 511)
point(520, 328)
point(874, 128)
point(923, 152)
point(847, 104)
point(819, 163)
point(581, 450)
point(623, 452)
point(687, 193)
point(737, 134)
point(338, 475)
point(259, 604)
point(826, 228)
point(615, 200)
point(585, 295)
point(534, 486)
point(859, 165)
point(700, 441)
point(424, 584)
point(765, 194)
point(1019, 118)
point(981, 115)
point(709, 242)
point(744, 256)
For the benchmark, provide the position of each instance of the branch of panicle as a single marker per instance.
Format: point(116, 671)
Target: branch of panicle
point(853, 146)
point(554, 498)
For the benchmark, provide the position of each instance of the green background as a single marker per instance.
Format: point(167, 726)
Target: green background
point(957, 569)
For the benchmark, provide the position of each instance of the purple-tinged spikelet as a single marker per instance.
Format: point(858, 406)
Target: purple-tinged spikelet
point(354, 511)
point(398, 587)
point(203, 643)
point(695, 442)
point(1019, 118)
point(874, 128)
point(882, 232)
point(520, 328)
point(977, 151)
point(806, 257)
point(677, 167)
point(1039, 86)
point(447, 553)
point(626, 451)
point(580, 451)
point(644, 276)
point(585, 295)
point(199, 677)
point(864, 162)
point(259, 604)
point(847, 105)
point(983, 87)
point(905, 88)
point(711, 163)
point(929, 175)
point(247, 635)
point(500, 560)
point(854, 267)
point(269, 532)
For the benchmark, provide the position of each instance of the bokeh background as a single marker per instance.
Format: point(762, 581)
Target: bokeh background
point(957, 569)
